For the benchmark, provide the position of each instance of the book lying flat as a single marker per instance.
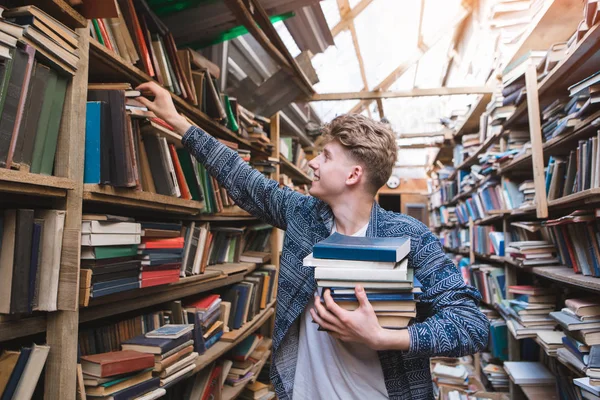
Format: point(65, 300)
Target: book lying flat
point(399, 274)
point(170, 331)
point(311, 261)
point(342, 247)
point(573, 324)
point(528, 373)
point(407, 284)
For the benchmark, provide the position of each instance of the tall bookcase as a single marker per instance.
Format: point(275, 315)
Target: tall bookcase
point(581, 62)
point(66, 191)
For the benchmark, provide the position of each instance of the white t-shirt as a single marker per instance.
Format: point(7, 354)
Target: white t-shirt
point(328, 368)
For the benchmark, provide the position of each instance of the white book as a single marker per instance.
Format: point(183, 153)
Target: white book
point(179, 365)
point(7, 256)
point(311, 261)
point(107, 227)
point(527, 372)
point(366, 285)
point(399, 274)
point(200, 249)
point(155, 394)
point(52, 240)
point(31, 373)
point(177, 375)
point(98, 239)
point(170, 168)
point(584, 383)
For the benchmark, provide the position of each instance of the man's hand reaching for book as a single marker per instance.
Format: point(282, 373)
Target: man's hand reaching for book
point(163, 106)
point(358, 326)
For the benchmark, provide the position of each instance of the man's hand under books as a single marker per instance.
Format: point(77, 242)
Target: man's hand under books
point(163, 106)
point(358, 326)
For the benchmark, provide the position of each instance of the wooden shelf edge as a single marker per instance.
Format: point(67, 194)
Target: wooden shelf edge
point(297, 173)
point(137, 199)
point(566, 275)
point(22, 327)
point(34, 184)
point(475, 112)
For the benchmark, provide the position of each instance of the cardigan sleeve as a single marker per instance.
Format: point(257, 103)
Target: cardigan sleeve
point(249, 188)
point(453, 325)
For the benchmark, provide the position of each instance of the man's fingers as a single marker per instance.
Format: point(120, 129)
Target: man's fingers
point(361, 295)
point(331, 306)
point(146, 102)
point(325, 314)
point(322, 323)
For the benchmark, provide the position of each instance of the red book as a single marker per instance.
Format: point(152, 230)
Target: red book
point(161, 280)
point(159, 273)
point(570, 248)
point(168, 243)
point(185, 190)
point(207, 251)
point(139, 36)
point(105, 36)
point(116, 363)
point(204, 303)
point(213, 385)
point(162, 123)
point(529, 290)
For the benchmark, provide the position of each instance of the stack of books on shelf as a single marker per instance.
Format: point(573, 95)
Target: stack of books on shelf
point(243, 363)
point(286, 181)
point(158, 344)
point(161, 252)
point(257, 244)
point(494, 372)
point(586, 390)
point(265, 164)
point(447, 215)
point(455, 378)
point(21, 370)
point(532, 253)
point(30, 258)
point(257, 129)
point(37, 60)
point(207, 316)
point(246, 299)
point(109, 249)
point(575, 236)
point(119, 374)
point(379, 265)
point(593, 366)
point(550, 341)
point(448, 190)
point(457, 238)
point(487, 240)
point(470, 143)
point(226, 245)
point(529, 374)
point(257, 391)
point(198, 239)
point(490, 281)
point(580, 320)
point(511, 20)
point(530, 311)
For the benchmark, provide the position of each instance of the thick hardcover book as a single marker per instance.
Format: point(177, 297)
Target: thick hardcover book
point(115, 289)
point(116, 363)
point(131, 272)
point(15, 376)
point(58, 101)
point(136, 391)
point(106, 252)
point(7, 258)
point(5, 72)
point(394, 275)
point(31, 373)
point(191, 175)
point(342, 247)
point(154, 346)
point(43, 122)
point(11, 103)
point(160, 174)
point(93, 128)
point(594, 357)
point(34, 265)
point(22, 265)
point(8, 361)
point(118, 282)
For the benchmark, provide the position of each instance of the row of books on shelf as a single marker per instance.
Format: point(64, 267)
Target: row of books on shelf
point(37, 56)
point(487, 240)
point(291, 149)
point(287, 181)
point(119, 254)
point(138, 36)
point(21, 371)
point(456, 238)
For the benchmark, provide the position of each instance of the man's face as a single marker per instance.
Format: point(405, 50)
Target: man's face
point(332, 168)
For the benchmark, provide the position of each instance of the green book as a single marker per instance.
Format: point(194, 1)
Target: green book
point(98, 32)
point(185, 159)
point(44, 120)
point(5, 72)
point(208, 195)
point(231, 120)
point(104, 252)
point(232, 246)
point(58, 102)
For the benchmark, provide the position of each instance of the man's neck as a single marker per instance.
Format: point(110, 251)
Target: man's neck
point(352, 214)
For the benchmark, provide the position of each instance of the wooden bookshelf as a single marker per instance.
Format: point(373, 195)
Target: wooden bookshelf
point(219, 217)
point(471, 122)
point(137, 199)
point(293, 171)
point(473, 158)
point(22, 327)
point(107, 66)
point(232, 392)
point(566, 275)
point(585, 197)
point(18, 182)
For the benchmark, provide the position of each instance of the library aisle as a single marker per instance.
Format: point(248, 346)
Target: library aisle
point(142, 261)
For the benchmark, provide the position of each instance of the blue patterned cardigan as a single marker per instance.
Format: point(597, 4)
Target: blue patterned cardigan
point(448, 320)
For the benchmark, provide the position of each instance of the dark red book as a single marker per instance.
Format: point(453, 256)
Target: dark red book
point(116, 363)
point(183, 186)
point(162, 280)
point(204, 303)
point(159, 273)
point(170, 243)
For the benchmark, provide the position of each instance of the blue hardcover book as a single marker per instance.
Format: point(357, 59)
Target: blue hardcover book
point(198, 332)
point(376, 297)
point(214, 339)
point(115, 289)
point(138, 390)
point(34, 264)
point(568, 342)
point(114, 283)
point(238, 320)
point(170, 331)
point(549, 173)
point(342, 247)
point(93, 125)
point(154, 345)
point(11, 386)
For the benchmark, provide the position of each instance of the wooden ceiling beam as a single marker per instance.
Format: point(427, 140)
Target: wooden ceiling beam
point(349, 17)
point(416, 92)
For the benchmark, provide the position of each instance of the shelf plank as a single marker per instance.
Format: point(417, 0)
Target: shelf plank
point(590, 196)
point(137, 199)
point(567, 275)
point(230, 269)
point(471, 123)
point(146, 297)
point(22, 327)
point(224, 217)
point(232, 392)
point(295, 173)
point(473, 159)
point(19, 182)
point(106, 66)
point(222, 347)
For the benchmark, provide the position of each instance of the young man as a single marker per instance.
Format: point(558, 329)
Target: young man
point(357, 358)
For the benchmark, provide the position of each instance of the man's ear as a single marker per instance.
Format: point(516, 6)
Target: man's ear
point(356, 174)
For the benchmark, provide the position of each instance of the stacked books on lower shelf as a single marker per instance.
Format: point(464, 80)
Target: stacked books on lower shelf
point(21, 371)
point(494, 372)
point(379, 265)
point(161, 253)
point(529, 312)
point(243, 363)
point(531, 253)
point(454, 378)
point(531, 376)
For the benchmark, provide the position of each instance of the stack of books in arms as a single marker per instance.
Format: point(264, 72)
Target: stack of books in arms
point(108, 255)
point(530, 311)
point(163, 343)
point(161, 253)
point(30, 251)
point(21, 371)
point(118, 375)
point(207, 316)
point(575, 236)
point(380, 265)
point(245, 360)
point(580, 320)
point(38, 56)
